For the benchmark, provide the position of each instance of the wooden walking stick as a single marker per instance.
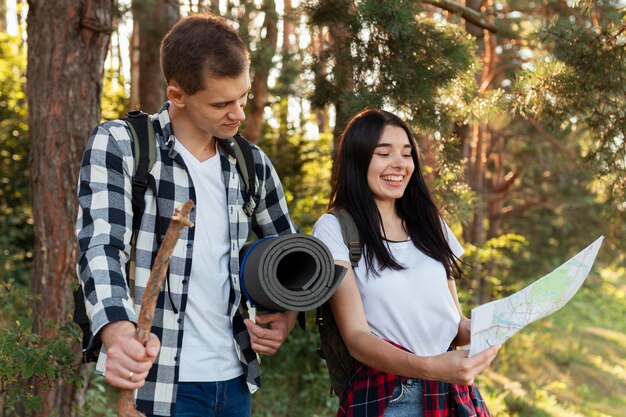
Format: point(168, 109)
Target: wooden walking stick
point(180, 219)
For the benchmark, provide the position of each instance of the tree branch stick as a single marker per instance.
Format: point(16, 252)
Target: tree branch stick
point(180, 219)
point(466, 13)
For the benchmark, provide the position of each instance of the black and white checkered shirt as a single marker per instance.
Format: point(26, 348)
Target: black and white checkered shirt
point(104, 234)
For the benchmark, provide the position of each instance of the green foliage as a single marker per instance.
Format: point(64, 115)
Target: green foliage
point(27, 359)
point(445, 176)
point(99, 399)
point(329, 12)
point(16, 233)
point(304, 166)
point(492, 261)
point(295, 380)
point(398, 59)
point(287, 82)
point(115, 98)
point(462, 102)
point(563, 211)
point(410, 57)
point(583, 87)
point(311, 188)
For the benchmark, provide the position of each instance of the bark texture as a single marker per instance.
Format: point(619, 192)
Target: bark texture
point(67, 44)
point(152, 20)
point(261, 65)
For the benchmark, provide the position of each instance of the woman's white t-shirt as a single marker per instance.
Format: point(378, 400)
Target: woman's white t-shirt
point(412, 307)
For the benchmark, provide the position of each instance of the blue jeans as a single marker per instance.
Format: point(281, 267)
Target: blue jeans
point(213, 399)
point(406, 400)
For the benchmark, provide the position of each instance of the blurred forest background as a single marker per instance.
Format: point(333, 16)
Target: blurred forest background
point(519, 108)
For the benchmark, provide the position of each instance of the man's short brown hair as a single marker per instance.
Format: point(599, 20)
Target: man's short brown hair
point(201, 46)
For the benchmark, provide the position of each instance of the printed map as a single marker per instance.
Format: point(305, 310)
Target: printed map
point(495, 322)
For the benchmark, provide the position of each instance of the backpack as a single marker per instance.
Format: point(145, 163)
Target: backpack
point(333, 350)
point(144, 150)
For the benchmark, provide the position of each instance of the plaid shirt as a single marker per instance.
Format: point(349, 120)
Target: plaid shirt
point(369, 391)
point(104, 228)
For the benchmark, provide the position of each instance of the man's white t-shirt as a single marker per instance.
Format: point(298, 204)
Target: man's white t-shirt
point(208, 350)
point(412, 307)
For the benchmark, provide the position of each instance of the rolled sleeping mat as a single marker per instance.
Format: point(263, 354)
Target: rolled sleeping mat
point(291, 272)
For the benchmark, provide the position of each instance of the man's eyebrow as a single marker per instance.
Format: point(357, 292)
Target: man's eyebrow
point(217, 103)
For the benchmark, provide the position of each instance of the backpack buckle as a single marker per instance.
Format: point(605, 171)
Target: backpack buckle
point(355, 251)
point(250, 205)
point(140, 181)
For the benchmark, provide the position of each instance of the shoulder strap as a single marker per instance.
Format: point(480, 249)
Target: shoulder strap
point(245, 161)
point(350, 235)
point(144, 147)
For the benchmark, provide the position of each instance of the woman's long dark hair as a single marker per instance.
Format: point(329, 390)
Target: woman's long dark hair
point(350, 191)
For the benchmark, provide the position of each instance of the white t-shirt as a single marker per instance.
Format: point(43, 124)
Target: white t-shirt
point(208, 350)
point(412, 307)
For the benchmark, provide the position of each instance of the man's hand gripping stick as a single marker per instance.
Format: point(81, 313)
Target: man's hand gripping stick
point(180, 219)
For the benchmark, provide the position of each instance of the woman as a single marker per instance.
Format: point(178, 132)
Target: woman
point(398, 310)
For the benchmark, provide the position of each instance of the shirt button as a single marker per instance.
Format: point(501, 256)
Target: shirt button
point(189, 245)
point(179, 320)
point(184, 281)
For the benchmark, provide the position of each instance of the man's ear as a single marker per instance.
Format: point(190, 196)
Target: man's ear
point(176, 95)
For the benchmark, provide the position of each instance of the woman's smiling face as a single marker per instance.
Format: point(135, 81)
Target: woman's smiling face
point(391, 166)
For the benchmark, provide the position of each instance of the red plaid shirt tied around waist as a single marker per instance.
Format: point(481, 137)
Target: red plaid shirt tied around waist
point(370, 390)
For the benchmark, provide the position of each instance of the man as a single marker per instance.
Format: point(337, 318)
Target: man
point(202, 358)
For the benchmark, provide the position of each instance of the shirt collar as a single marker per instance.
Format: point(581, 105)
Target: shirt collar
point(166, 125)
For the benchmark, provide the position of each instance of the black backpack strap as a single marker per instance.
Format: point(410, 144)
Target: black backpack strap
point(144, 148)
point(333, 349)
point(82, 320)
point(245, 162)
point(350, 235)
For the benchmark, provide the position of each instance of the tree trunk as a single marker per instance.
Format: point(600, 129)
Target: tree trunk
point(242, 14)
point(472, 29)
point(288, 63)
point(288, 28)
point(340, 38)
point(67, 45)
point(154, 18)
point(262, 64)
point(3, 16)
point(479, 150)
point(317, 47)
point(214, 6)
point(134, 67)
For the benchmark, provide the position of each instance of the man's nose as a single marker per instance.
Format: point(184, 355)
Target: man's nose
point(237, 113)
